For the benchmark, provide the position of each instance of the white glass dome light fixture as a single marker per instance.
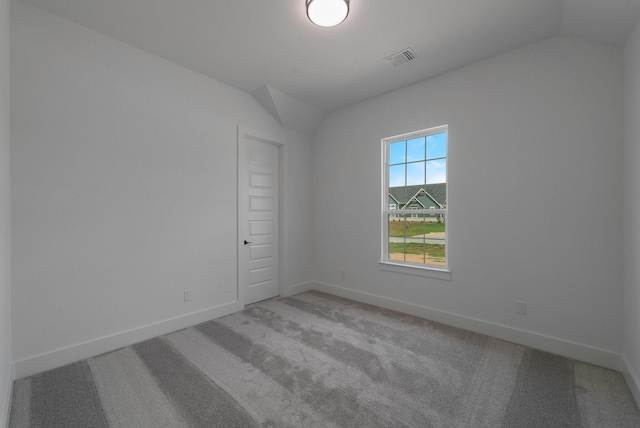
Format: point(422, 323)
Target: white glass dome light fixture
point(327, 13)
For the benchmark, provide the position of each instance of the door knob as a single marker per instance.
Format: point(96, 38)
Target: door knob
point(247, 242)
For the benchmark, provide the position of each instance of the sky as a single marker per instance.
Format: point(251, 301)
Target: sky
point(419, 160)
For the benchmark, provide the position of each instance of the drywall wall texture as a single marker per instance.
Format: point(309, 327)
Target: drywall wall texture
point(5, 211)
point(535, 182)
point(124, 186)
point(631, 248)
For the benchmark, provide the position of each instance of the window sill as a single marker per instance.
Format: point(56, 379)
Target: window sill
point(415, 270)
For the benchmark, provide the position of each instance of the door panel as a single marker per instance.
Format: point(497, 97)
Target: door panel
point(259, 203)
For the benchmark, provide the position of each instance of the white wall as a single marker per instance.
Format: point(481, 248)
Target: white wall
point(6, 379)
point(123, 170)
point(631, 197)
point(124, 190)
point(535, 184)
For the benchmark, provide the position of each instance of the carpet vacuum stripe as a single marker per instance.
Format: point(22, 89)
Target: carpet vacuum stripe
point(66, 397)
point(338, 376)
point(268, 401)
point(335, 403)
point(202, 402)
point(317, 360)
point(130, 394)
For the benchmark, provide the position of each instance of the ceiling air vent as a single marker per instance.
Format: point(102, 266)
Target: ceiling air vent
point(401, 57)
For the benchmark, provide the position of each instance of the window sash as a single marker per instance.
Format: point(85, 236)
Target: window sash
point(409, 213)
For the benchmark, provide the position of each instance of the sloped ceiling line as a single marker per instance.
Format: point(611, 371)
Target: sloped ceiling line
point(289, 112)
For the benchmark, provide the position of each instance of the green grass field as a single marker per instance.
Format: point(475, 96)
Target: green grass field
point(413, 228)
point(435, 252)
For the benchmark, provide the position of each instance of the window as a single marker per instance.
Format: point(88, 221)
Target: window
point(415, 181)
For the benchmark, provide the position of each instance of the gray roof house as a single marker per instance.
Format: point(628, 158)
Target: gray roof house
point(423, 196)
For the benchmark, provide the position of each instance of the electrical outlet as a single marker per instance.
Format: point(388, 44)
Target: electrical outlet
point(187, 295)
point(521, 308)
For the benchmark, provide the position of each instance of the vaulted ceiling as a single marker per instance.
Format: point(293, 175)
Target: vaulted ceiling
point(269, 48)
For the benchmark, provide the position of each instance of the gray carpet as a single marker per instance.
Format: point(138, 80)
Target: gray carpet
point(315, 360)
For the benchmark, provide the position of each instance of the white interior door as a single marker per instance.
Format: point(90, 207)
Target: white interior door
point(258, 208)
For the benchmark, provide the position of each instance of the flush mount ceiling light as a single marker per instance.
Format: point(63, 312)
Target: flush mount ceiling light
point(327, 13)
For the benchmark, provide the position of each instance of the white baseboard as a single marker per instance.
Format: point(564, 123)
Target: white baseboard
point(60, 357)
point(587, 354)
point(5, 410)
point(632, 379)
point(298, 288)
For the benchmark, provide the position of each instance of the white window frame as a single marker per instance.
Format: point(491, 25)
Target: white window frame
point(403, 266)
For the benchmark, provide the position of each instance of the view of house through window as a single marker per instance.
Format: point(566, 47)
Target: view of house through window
point(415, 205)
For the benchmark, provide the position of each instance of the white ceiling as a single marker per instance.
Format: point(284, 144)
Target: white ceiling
point(249, 44)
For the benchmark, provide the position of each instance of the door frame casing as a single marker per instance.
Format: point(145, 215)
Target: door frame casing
point(241, 199)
